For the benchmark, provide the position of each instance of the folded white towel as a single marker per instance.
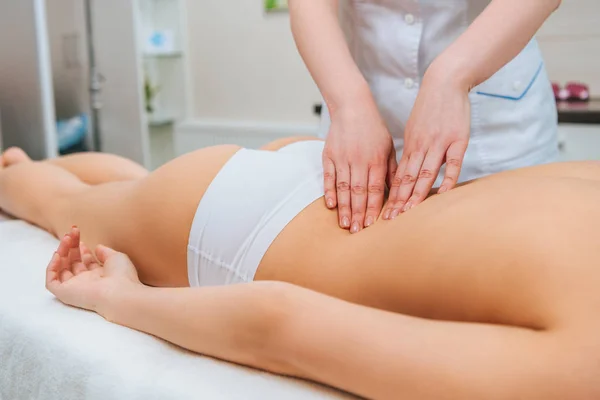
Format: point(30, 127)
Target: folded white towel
point(51, 351)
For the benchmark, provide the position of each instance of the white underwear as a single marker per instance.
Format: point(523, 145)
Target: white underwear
point(250, 201)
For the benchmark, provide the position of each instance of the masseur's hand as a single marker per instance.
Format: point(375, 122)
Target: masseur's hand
point(437, 132)
point(358, 156)
point(79, 279)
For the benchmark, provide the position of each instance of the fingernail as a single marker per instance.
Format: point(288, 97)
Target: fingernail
point(329, 203)
point(443, 189)
point(345, 222)
point(386, 214)
point(407, 206)
point(395, 213)
point(355, 228)
point(369, 222)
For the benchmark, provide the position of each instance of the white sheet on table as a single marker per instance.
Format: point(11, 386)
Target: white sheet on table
point(51, 351)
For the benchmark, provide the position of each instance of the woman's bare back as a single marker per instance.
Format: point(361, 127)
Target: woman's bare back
point(518, 248)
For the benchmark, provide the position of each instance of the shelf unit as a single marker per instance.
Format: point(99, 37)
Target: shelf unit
point(124, 62)
point(127, 62)
point(163, 68)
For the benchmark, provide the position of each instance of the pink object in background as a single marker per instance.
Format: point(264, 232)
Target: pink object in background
point(556, 90)
point(577, 91)
point(573, 91)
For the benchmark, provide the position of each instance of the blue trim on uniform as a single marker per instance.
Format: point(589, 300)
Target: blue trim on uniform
point(500, 96)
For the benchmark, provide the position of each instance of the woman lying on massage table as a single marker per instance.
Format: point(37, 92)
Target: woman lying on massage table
point(491, 290)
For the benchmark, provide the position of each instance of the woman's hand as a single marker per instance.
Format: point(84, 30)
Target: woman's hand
point(359, 156)
point(437, 132)
point(78, 279)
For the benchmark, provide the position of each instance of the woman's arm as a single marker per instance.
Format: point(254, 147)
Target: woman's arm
point(500, 32)
point(289, 330)
point(293, 331)
point(238, 323)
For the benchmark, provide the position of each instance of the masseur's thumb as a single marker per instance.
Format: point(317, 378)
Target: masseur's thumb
point(103, 253)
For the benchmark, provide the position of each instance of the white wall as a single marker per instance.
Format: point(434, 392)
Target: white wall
point(66, 31)
point(245, 66)
point(570, 41)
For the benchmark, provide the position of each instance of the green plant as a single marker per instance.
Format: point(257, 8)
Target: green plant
point(275, 5)
point(150, 93)
point(270, 4)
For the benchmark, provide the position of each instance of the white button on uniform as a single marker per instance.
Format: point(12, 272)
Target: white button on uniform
point(409, 83)
point(517, 86)
point(409, 19)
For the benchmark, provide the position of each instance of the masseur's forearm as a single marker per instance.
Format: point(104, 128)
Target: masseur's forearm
point(322, 45)
point(495, 37)
point(236, 323)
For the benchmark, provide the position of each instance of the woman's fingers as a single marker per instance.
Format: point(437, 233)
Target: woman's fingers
point(74, 252)
point(65, 275)
point(427, 176)
point(75, 257)
point(85, 252)
point(63, 251)
point(329, 183)
point(343, 195)
point(103, 253)
point(454, 158)
point(52, 271)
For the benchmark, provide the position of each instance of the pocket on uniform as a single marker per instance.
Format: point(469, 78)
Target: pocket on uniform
point(513, 81)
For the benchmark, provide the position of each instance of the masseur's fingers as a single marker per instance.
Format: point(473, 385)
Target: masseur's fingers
point(454, 158)
point(358, 196)
point(392, 168)
point(427, 175)
point(376, 193)
point(343, 195)
point(407, 182)
point(329, 183)
point(394, 187)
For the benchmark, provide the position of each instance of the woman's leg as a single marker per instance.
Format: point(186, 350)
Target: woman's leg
point(91, 168)
point(149, 219)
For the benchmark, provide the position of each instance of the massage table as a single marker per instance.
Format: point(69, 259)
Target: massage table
point(52, 351)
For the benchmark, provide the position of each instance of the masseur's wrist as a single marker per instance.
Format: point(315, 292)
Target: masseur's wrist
point(452, 69)
point(351, 98)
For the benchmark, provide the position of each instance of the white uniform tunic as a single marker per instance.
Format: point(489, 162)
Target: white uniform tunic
point(513, 114)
